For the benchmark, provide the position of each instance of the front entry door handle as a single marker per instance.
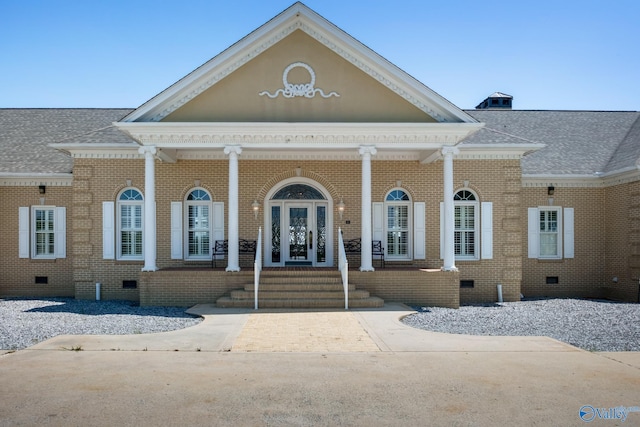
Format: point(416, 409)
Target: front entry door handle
point(311, 240)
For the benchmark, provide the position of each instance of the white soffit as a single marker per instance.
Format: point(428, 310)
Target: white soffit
point(299, 17)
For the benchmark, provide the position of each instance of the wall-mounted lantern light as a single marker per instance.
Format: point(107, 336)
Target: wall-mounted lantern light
point(42, 189)
point(341, 207)
point(256, 208)
point(550, 190)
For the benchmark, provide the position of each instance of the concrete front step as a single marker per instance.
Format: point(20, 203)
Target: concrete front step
point(291, 295)
point(300, 289)
point(371, 302)
point(291, 287)
point(335, 279)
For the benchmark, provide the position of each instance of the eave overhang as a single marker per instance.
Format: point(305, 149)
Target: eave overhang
point(482, 151)
point(19, 179)
point(594, 180)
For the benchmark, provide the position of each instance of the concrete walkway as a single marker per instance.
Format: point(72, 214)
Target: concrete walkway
point(308, 331)
point(358, 367)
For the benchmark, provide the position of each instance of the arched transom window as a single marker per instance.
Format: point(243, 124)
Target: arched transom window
point(298, 192)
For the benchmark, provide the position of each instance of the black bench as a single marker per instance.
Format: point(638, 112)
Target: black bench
point(354, 246)
point(221, 248)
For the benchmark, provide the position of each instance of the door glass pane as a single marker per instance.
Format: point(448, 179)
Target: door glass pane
point(298, 233)
point(275, 234)
point(397, 230)
point(321, 233)
point(198, 230)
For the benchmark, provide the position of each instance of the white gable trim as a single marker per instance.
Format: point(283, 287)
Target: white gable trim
point(299, 17)
point(299, 135)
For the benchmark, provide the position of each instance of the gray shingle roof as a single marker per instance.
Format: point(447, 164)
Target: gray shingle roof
point(577, 142)
point(628, 152)
point(26, 133)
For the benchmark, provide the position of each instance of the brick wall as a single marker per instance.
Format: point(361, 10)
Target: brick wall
point(431, 288)
point(96, 181)
point(185, 288)
point(607, 226)
point(497, 181)
point(585, 274)
point(17, 275)
point(622, 226)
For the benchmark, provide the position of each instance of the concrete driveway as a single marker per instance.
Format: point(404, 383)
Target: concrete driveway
point(359, 367)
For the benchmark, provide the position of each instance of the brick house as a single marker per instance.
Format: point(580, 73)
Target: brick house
point(299, 137)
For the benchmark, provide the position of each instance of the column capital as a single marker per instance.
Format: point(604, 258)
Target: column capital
point(367, 149)
point(148, 150)
point(449, 151)
point(228, 149)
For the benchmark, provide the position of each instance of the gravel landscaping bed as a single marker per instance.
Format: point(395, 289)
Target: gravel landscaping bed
point(594, 325)
point(25, 322)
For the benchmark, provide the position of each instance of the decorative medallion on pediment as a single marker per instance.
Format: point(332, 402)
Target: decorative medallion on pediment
point(292, 90)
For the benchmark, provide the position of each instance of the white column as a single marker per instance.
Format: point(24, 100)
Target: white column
point(366, 261)
point(449, 212)
point(149, 208)
point(233, 263)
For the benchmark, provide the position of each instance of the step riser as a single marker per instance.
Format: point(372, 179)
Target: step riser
point(298, 295)
point(293, 279)
point(289, 287)
point(331, 303)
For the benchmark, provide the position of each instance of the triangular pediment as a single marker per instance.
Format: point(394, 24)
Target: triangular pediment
point(298, 80)
point(298, 67)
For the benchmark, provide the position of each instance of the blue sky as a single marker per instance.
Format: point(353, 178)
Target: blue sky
point(548, 54)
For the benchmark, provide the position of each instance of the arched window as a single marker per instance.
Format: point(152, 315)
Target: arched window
point(130, 206)
point(298, 192)
point(466, 225)
point(198, 224)
point(398, 224)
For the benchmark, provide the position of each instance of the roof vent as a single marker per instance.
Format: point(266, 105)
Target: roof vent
point(496, 100)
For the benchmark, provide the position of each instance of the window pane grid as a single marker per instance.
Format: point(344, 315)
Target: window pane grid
point(549, 233)
point(131, 227)
point(44, 236)
point(465, 227)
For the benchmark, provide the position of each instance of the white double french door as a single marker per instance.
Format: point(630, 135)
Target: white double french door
point(299, 234)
